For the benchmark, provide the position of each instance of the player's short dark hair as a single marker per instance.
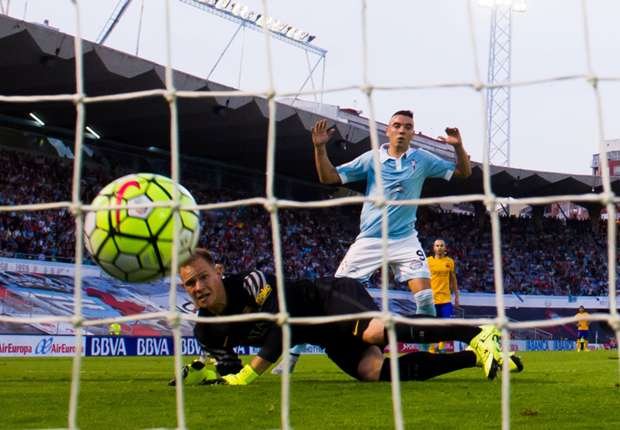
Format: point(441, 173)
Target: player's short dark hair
point(407, 113)
point(199, 254)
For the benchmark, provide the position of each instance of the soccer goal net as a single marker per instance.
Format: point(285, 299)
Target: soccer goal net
point(274, 205)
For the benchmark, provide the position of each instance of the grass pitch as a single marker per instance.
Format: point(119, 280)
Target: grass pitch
point(557, 390)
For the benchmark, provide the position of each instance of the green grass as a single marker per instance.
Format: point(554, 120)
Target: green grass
point(557, 390)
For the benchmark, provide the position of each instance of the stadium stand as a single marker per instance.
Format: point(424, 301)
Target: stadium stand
point(541, 257)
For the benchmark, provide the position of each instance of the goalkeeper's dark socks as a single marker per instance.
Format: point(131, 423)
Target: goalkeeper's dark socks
point(431, 334)
point(420, 366)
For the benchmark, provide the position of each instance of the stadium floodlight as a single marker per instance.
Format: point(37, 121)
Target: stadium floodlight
point(93, 132)
point(236, 9)
point(245, 12)
point(221, 4)
point(38, 120)
point(242, 14)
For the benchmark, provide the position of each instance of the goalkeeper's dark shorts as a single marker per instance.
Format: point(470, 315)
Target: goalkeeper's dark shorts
point(343, 340)
point(347, 354)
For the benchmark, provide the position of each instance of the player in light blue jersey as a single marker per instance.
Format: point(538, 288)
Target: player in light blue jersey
point(403, 172)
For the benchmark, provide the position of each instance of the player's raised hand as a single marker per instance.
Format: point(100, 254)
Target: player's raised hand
point(453, 137)
point(321, 133)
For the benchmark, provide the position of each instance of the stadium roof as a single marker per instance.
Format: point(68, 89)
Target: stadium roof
point(38, 60)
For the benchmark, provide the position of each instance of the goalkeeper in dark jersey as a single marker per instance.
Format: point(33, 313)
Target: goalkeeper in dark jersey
point(356, 346)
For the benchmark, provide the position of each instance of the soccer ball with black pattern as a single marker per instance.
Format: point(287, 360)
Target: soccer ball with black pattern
point(136, 244)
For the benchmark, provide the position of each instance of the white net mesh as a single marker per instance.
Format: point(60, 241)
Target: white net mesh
point(272, 204)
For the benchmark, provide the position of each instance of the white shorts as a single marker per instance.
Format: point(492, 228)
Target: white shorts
point(405, 256)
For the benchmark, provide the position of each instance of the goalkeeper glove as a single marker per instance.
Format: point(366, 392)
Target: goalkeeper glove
point(196, 374)
point(244, 377)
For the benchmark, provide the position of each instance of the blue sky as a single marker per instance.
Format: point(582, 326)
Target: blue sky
point(410, 42)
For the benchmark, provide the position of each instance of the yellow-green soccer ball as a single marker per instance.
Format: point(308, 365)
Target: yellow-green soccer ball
point(136, 244)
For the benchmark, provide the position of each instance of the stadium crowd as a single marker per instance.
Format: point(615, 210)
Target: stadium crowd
point(556, 257)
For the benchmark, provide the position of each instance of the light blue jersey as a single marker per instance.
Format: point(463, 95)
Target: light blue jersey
point(402, 178)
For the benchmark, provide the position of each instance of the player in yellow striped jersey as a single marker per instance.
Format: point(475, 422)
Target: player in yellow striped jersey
point(443, 282)
point(583, 328)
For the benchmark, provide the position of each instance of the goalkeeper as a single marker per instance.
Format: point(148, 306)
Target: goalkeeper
point(356, 346)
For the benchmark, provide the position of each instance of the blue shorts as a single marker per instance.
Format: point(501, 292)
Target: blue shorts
point(582, 334)
point(444, 310)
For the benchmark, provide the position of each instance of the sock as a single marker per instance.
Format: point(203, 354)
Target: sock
point(298, 349)
point(430, 334)
point(294, 353)
point(420, 366)
point(424, 303)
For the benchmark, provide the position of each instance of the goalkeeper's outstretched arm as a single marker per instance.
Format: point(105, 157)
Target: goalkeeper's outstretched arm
point(197, 373)
point(226, 360)
point(269, 354)
point(249, 372)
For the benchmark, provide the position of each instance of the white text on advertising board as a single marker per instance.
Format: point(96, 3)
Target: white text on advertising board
point(108, 346)
point(152, 346)
point(190, 347)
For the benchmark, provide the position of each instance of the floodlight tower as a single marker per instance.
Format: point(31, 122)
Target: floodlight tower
point(498, 99)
